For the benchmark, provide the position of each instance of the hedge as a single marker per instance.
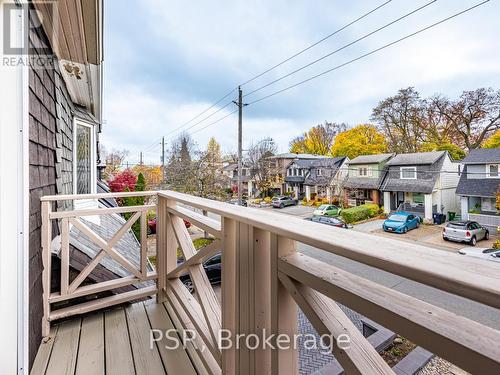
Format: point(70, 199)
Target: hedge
point(363, 212)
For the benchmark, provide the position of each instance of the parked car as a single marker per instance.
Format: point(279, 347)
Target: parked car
point(244, 203)
point(280, 202)
point(327, 210)
point(465, 231)
point(401, 222)
point(212, 267)
point(481, 252)
point(333, 221)
point(152, 225)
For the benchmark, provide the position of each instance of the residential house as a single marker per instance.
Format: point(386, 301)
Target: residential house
point(478, 186)
point(230, 172)
point(323, 176)
point(278, 166)
point(366, 173)
point(423, 183)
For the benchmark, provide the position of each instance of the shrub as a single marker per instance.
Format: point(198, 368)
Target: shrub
point(363, 212)
point(123, 181)
point(268, 199)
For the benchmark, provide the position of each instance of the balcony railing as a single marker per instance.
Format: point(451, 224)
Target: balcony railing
point(264, 279)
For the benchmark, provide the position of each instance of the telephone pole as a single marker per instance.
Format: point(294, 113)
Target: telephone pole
point(140, 158)
point(163, 158)
point(240, 144)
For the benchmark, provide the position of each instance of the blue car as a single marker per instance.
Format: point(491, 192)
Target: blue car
point(401, 222)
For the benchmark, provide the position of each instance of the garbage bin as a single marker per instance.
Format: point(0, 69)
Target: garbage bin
point(435, 218)
point(451, 215)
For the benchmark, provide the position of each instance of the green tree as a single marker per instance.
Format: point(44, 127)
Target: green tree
point(361, 140)
point(140, 185)
point(493, 141)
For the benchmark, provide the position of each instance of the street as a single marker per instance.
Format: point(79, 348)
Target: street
point(462, 306)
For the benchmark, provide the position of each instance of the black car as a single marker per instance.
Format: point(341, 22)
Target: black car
point(212, 267)
point(333, 221)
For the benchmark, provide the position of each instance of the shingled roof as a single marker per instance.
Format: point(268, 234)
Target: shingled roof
point(482, 156)
point(371, 159)
point(477, 187)
point(416, 158)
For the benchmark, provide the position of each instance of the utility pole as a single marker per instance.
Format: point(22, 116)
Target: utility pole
point(240, 144)
point(140, 158)
point(163, 158)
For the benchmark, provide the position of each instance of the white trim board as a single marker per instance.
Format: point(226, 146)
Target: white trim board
point(14, 206)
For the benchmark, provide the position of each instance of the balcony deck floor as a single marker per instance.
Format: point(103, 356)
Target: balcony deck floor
point(115, 341)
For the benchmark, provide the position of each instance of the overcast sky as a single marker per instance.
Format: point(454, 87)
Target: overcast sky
point(166, 61)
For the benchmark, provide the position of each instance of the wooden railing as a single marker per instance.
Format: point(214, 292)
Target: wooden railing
point(264, 279)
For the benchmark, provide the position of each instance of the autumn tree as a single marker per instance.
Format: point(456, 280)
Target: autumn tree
point(493, 141)
point(317, 140)
point(179, 169)
point(114, 161)
point(263, 168)
point(473, 116)
point(152, 174)
point(361, 140)
point(207, 170)
point(399, 119)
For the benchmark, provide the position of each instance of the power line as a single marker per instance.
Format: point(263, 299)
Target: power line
point(270, 69)
point(215, 122)
point(342, 48)
point(370, 53)
point(315, 44)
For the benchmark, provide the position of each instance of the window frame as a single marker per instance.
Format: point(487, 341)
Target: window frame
point(488, 171)
point(93, 155)
point(320, 172)
point(414, 169)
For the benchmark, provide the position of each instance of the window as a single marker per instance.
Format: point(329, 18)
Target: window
point(492, 171)
point(84, 160)
point(408, 173)
point(320, 172)
point(488, 204)
point(418, 198)
point(362, 171)
point(235, 173)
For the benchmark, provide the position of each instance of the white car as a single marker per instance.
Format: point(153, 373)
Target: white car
point(483, 253)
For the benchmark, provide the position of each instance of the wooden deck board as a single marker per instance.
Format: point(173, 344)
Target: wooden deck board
point(176, 360)
point(91, 348)
point(65, 350)
point(119, 360)
point(146, 359)
point(113, 342)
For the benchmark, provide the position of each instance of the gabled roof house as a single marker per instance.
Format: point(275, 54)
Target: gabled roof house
point(366, 173)
point(478, 186)
point(423, 183)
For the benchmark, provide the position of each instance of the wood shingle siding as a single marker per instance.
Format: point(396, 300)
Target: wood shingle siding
point(50, 165)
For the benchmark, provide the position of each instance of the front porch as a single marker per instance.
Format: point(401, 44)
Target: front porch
point(420, 204)
point(480, 209)
point(265, 282)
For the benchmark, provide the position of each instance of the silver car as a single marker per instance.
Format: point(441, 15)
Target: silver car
point(280, 202)
point(465, 231)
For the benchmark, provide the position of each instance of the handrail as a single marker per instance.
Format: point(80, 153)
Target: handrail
point(467, 277)
point(125, 194)
point(264, 279)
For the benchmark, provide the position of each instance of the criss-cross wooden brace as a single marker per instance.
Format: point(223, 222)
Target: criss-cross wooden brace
point(106, 248)
point(206, 295)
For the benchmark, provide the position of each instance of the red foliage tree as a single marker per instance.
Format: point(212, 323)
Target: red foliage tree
point(123, 181)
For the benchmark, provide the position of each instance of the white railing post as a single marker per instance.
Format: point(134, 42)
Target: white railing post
point(229, 291)
point(166, 246)
point(283, 310)
point(46, 260)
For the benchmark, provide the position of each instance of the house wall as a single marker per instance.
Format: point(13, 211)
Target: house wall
point(50, 168)
point(476, 171)
point(373, 170)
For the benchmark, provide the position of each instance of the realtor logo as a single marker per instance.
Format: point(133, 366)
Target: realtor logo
point(24, 35)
